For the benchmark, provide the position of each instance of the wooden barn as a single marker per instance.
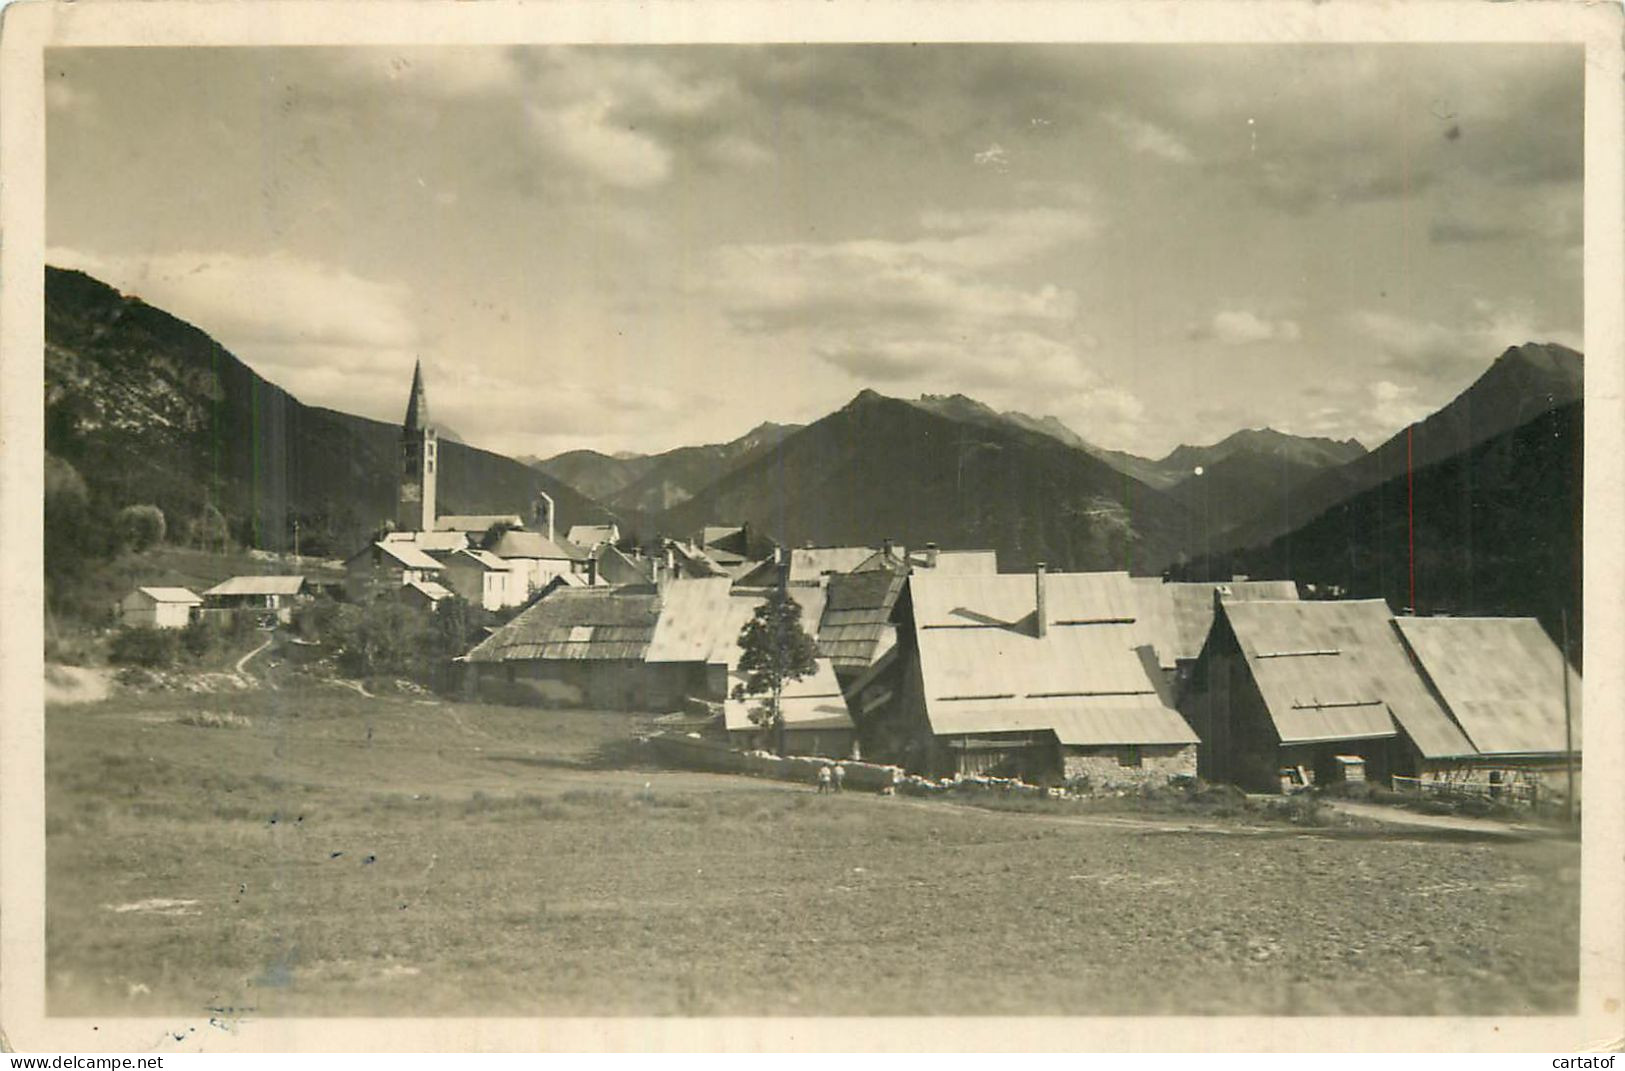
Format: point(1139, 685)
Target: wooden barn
point(1289, 693)
point(156, 607)
point(1044, 676)
point(619, 648)
point(1502, 681)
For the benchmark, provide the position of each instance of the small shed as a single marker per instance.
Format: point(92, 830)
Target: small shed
point(156, 607)
point(424, 594)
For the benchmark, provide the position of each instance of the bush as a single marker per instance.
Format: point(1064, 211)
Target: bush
point(198, 637)
point(384, 637)
point(140, 527)
point(149, 647)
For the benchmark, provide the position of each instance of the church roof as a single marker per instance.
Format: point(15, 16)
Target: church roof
point(417, 405)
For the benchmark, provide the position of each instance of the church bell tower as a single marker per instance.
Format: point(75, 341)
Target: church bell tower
point(414, 502)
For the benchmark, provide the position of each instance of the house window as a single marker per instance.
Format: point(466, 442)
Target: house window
point(1128, 756)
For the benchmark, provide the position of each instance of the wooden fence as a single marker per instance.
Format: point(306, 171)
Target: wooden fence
point(1506, 792)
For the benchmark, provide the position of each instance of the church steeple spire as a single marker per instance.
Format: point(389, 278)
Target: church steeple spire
point(417, 404)
point(415, 501)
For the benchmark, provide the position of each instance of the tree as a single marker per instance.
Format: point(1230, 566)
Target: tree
point(493, 535)
point(776, 651)
point(454, 626)
point(210, 530)
point(140, 527)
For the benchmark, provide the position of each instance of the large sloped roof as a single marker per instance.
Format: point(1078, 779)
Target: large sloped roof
point(590, 535)
point(809, 564)
point(406, 554)
point(429, 541)
point(742, 604)
point(483, 558)
point(1501, 677)
point(1337, 671)
point(1192, 607)
point(813, 702)
point(517, 543)
point(1091, 679)
point(262, 585)
point(615, 567)
point(576, 623)
point(693, 615)
point(856, 627)
point(1158, 618)
point(965, 562)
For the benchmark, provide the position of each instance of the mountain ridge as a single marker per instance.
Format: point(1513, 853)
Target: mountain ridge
point(150, 408)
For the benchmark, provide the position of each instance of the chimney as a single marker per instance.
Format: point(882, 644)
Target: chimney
point(931, 556)
point(592, 572)
point(543, 507)
point(1038, 596)
point(885, 547)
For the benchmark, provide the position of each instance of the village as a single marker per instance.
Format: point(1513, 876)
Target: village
point(932, 667)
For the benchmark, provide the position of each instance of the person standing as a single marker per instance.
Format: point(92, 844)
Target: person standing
point(823, 779)
point(840, 776)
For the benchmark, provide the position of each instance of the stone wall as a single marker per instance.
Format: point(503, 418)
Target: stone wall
point(1105, 768)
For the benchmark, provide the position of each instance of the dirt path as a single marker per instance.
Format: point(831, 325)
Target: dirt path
point(1399, 817)
point(241, 668)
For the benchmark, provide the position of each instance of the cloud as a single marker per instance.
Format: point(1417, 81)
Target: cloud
point(619, 156)
point(304, 319)
point(934, 281)
point(1149, 139)
point(1395, 406)
point(1446, 352)
point(738, 150)
point(1242, 328)
point(949, 309)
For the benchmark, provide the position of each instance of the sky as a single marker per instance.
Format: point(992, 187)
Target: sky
point(636, 248)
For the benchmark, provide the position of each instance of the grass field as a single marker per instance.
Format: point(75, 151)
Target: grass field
point(310, 851)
